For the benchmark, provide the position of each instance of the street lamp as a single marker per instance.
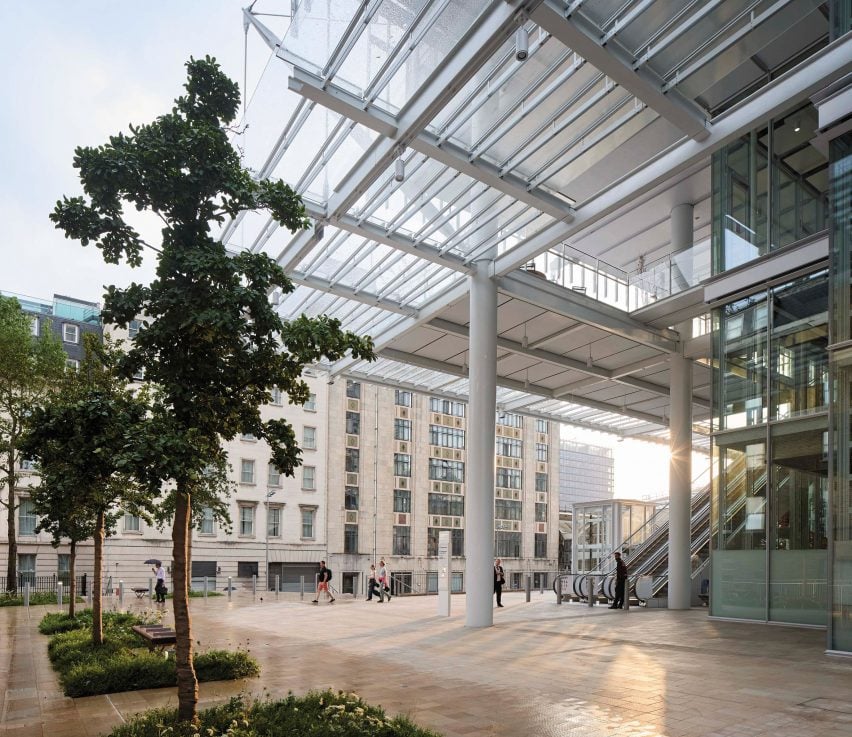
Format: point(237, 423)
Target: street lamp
point(269, 494)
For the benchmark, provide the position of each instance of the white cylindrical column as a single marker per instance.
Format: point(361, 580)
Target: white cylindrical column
point(680, 478)
point(479, 501)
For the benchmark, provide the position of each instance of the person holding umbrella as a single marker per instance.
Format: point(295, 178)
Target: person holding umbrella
point(160, 572)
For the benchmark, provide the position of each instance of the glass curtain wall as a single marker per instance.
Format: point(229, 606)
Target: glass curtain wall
point(770, 189)
point(770, 533)
point(840, 352)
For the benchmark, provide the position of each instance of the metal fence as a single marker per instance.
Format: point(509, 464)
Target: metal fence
point(43, 584)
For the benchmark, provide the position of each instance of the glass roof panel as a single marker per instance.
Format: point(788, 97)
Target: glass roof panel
point(316, 29)
point(337, 159)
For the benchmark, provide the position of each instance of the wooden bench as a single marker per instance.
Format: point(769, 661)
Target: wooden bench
point(155, 636)
point(140, 592)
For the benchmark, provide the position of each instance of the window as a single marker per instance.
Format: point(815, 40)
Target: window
point(246, 521)
point(508, 447)
point(401, 500)
point(541, 452)
point(507, 509)
point(246, 569)
point(27, 519)
point(507, 544)
point(402, 398)
point(440, 470)
point(273, 476)
point(353, 456)
point(34, 326)
point(27, 464)
point(70, 333)
point(353, 423)
point(72, 363)
point(307, 523)
point(540, 512)
point(278, 399)
point(456, 541)
point(508, 478)
point(249, 437)
point(246, 471)
point(63, 568)
point(133, 328)
point(207, 522)
point(402, 429)
point(541, 482)
point(353, 389)
point(451, 504)
point(446, 406)
point(309, 480)
point(509, 419)
point(273, 522)
point(401, 540)
point(350, 498)
point(132, 523)
point(309, 438)
point(540, 545)
point(350, 538)
point(541, 426)
point(446, 437)
point(27, 567)
point(401, 464)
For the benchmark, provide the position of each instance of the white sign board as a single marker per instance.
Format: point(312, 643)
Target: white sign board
point(444, 572)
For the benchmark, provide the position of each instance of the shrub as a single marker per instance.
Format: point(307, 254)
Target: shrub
point(36, 598)
point(121, 671)
point(223, 665)
point(316, 715)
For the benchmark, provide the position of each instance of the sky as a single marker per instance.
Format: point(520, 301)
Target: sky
point(78, 72)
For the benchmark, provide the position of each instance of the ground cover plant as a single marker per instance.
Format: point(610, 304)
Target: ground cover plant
point(317, 714)
point(36, 598)
point(122, 662)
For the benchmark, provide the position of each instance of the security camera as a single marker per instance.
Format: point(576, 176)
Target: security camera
point(522, 44)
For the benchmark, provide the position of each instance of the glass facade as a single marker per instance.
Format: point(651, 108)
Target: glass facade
point(770, 189)
point(840, 353)
point(771, 454)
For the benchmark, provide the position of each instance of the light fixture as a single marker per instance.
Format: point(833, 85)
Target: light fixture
point(797, 125)
point(522, 44)
point(275, 298)
point(399, 166)
point(589, 362)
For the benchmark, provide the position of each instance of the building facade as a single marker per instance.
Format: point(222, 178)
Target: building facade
point(586, 474)
point(398, 479)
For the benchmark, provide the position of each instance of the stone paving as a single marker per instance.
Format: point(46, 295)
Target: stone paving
point(566, 671)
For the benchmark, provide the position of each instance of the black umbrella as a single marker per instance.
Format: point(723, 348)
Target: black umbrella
point(154, 562)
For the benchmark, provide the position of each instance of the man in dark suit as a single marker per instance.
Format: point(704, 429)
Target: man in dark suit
point(499, 580)
point(620, 582)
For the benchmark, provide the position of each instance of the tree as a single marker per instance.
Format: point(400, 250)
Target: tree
point(29, 368)
point(209, 340)
point(83, 438)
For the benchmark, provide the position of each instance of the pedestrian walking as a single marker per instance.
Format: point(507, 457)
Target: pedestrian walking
point(499, 580)
point(160, 587)
point(322, 583)
point(620, 582)
point(384, 578)
point(372, 586)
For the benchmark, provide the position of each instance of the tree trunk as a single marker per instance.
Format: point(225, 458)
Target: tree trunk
point(97, 584)
point(186, 681)
point(72, 584)
point(12, 565)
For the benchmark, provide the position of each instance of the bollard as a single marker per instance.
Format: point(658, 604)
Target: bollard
point(27, 594)
point(591, 589)
point(528, 586)
point(254, 586)
point(540, 584)
point(89, 596)
point(150, 588)
point(59, 593)
point(229, 588)
point(277, 585)
point(558, 591)
point(626, 594)
point(206, 584)
point(302, 587)
point(121, 593)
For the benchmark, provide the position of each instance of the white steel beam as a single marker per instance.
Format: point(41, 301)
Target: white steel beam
point(824, 67)
point(582, 308)
point(299, 247)
point(618, 64)
point(338, 290)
